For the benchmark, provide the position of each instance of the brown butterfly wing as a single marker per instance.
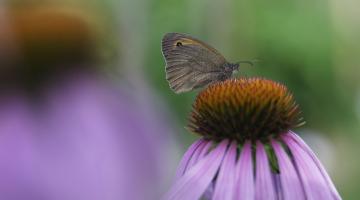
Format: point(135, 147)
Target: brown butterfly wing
point(190, 63)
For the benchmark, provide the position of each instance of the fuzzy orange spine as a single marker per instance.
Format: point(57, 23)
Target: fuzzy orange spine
point(245, 108)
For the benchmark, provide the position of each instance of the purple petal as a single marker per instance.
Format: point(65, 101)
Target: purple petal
point(186, 158)
point(225, 182)
point(277, 184)
point(199, 154)
point(264, 188)
point(314, 183)
point(245, 175)
point(18, 155)
point(290, 183)
point(85, 139)
point(196, 180)
point(209, 192)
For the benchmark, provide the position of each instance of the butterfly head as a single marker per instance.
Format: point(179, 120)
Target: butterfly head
point(231, 67)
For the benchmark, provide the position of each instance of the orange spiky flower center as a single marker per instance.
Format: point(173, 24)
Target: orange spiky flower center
point(242, 109)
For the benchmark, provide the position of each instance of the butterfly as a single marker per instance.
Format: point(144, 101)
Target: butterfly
point(192, 64)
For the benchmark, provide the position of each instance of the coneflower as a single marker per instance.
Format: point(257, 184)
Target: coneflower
point(67, 130)
point(247, 150)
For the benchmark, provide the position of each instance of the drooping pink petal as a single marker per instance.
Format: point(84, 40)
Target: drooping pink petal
point(18, 156)
point(199, 154)
point(209, 192)
point(291, 186)
point(315, 185)
point(196, 180)
point(186, 158)
point(307, 149)
point(264, 186)
point(245, 176)
point(225, 182)
point(277, 185)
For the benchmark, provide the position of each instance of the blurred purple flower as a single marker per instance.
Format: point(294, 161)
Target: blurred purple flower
point(81, 138)
point(67, 132)
point(246, 153)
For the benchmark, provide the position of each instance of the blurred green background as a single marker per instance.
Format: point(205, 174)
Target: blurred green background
point(313, 47)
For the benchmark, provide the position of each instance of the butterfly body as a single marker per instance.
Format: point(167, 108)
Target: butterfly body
point(191, 63)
